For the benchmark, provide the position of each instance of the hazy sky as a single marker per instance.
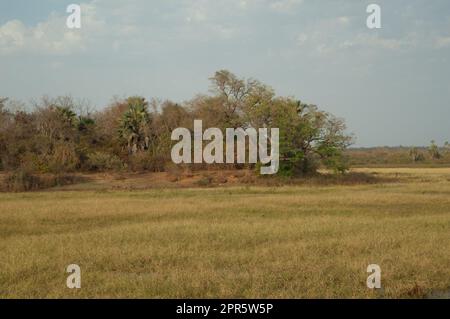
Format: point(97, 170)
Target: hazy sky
point(391, 85)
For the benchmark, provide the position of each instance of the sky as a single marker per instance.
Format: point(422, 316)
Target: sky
point(391, 85)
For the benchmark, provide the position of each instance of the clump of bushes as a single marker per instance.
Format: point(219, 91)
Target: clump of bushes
point(64, 158)
point(23, 181)
point(145, 161)
point(100, 161)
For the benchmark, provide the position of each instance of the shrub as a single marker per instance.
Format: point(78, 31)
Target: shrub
point(64, 158)
point(204, 181)
point(434, 151)
point(145, 161)
point(23, 181)
point(20, 181)
point(100, 161)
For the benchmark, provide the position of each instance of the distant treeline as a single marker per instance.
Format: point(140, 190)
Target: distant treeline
point(62, 135)
point(400, 156)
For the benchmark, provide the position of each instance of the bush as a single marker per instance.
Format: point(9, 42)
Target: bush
point(145, 161)
point(204, 181)
point(23, 181)
point(64, 158)
point(20, 181)
point(100, 161)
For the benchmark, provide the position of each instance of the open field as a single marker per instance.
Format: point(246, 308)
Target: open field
point(281, 242)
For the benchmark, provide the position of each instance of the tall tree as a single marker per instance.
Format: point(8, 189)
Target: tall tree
point(230, 93)
point(134, 125)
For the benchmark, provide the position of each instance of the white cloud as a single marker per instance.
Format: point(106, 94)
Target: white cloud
point(51, 36)
point(12, 36)
point(45, 37)
point(139, 26)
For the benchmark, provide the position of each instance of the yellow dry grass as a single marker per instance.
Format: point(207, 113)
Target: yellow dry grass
point(263, 242)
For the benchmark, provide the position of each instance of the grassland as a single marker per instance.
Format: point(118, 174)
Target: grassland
point(266, 242)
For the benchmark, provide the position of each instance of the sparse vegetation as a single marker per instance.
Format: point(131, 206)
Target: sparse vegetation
point(416, 156)
point(434, 151)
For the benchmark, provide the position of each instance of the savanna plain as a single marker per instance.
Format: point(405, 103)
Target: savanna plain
point(235, 241)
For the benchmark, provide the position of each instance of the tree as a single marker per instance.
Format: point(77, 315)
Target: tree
point(308, 137)
point(134, 125)
point(18, 141)
point(55, 118)
point(107, 125)
point(58, 139)
point(415, 155)
point(434, 150)
point(171, 116)
point(320, 139)
point(230, 94)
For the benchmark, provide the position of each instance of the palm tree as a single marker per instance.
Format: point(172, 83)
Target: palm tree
point(133, 125)
point(67, 114)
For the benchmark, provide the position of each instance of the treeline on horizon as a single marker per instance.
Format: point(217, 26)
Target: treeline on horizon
point(384, 156)
point(60, 135)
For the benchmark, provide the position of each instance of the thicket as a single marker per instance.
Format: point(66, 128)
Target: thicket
point(61, 135)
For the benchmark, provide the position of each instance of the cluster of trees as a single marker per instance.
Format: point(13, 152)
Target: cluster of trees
point(60, 135)
point(435, 152)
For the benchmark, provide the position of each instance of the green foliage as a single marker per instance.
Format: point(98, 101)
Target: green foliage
point(309, 138)
point(84, 123)
point(134, 124)
point(66, 114)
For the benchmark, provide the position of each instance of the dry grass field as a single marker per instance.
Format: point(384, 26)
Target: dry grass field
point(234, 242)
